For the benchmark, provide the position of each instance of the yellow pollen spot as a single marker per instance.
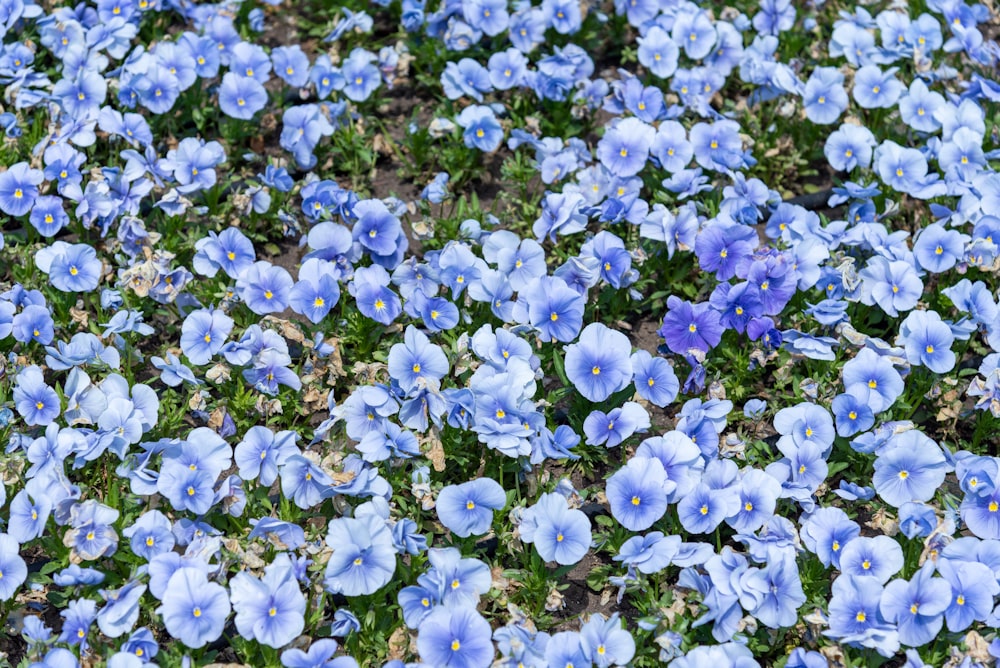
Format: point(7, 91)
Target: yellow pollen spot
point(359, 81)
point(965, 160)
point(249, 71)
point(554, 316)
point(416, 368)
point(357, 562)
point(40, 405)
point(748, 506)
point(876, 89)
point(914, 608)
point(425, 602)
point(455, 584)
point(848, 153)
point(920, 111)
point(802, 469)
point(80, 96)
point(693, 37)
point(642, 105)
point(853, 415)
point(809, 431)
point(480, 133)
point(501, 413)
point(81, 633)
point(872, 384)
point(49, 218)
point(821, 100)
point(272, 612)
point(895, 289)
point(656, 57)
point(724, 253)
point(703, 510)
point(836, 546)
point(559, 538)
point(196, 612)
point(318, 302)
point(993, 507)
point(455, 645)
point(601, 650)
point(739, 310)
point(309, 476)
point(866, 565)
point(36, 332)
point(138, 651)
point(765, 285)
point(714, 144)
point(289, 70)
point(150, 541)
point(34, 516)
point(938, 250)
point(692, 327)
point(208, 338)
point(379, 304)
point(506, 72)
point(899, 171)
point(960, 599)
point(861, 616)
point(903, 475)
point(190, 491)
point(268, 294)
point(623, 153)
point(194, 171)
point(635, 500)
point(929, 349)
point(651, 382)
point(470, 504)
point(73, 271)
point(596, 370)
point(240, 102)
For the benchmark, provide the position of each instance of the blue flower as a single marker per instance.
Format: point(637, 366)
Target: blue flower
point(363, 559)
point(554, 309)
point(482, 129)
point(624, 148)
point(12, 566)
point(376, 228)
point(241, 97)
point(265, 287)
point(78, 617)
point(658, 53)
point(559, 533)
point(927, 340)
point(204, 333)
point(638, 492)
point(599, 364)
point(71, 268)
point(455, 638)
point(878, 558)
point(19, 189)
point(704, 508)
point(194, 610)
point(150, 535)
point(416, 362)
point(973, 588)
point(610, 429)
point(467, 509)
point(270, 610)
point(604, 642)
point(871, 378)
point(917, 607)
point(37, 403)
point(852, 414)
point(855, 618)
point(824, 98)
point(121, 611)
point(912, 470)
point(654, 378)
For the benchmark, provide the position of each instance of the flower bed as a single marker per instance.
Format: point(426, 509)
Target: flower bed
point(566, 334)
